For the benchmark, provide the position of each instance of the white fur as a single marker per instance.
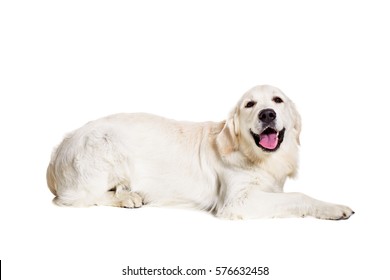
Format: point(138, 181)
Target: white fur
point(127, 160)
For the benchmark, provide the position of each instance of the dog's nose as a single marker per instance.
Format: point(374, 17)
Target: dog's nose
point(267, 115)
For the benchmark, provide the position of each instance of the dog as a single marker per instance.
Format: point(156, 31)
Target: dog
point(235, 169)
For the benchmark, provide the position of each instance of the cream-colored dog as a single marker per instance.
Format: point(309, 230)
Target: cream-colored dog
point(235, 169)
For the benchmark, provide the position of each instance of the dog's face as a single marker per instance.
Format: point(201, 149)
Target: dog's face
point(264, 121)
point(265, 115)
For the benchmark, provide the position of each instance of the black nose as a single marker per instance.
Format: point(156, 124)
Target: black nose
point(267, 115)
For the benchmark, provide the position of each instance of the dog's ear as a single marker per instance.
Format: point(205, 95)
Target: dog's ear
point(297, 121)
point(227, 139)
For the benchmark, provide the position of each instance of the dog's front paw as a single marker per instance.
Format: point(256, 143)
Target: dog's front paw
point(334, 212)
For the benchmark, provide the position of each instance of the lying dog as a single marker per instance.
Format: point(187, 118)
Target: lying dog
point(235, 169)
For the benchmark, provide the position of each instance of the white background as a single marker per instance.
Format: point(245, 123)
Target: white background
point(63, 63)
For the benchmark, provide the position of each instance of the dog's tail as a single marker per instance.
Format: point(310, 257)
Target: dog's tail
point(51, 180)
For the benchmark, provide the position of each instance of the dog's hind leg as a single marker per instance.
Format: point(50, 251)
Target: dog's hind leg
point(121, 196)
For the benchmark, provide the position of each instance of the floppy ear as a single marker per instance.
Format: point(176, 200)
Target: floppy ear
point(297, 121)
point(227, 139)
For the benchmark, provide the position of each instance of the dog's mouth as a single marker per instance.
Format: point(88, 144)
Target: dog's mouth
point(269, 139)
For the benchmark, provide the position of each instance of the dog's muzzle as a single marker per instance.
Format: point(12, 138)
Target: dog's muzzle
point(269, 139)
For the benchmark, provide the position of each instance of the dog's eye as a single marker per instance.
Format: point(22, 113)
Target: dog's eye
point(250, 104)
point(277, 99)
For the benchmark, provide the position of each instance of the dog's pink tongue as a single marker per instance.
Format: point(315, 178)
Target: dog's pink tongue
point(269, 141)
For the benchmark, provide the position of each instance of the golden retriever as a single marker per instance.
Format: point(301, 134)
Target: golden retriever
point(234, 169)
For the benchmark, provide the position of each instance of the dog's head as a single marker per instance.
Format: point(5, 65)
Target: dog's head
point(264, 121)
